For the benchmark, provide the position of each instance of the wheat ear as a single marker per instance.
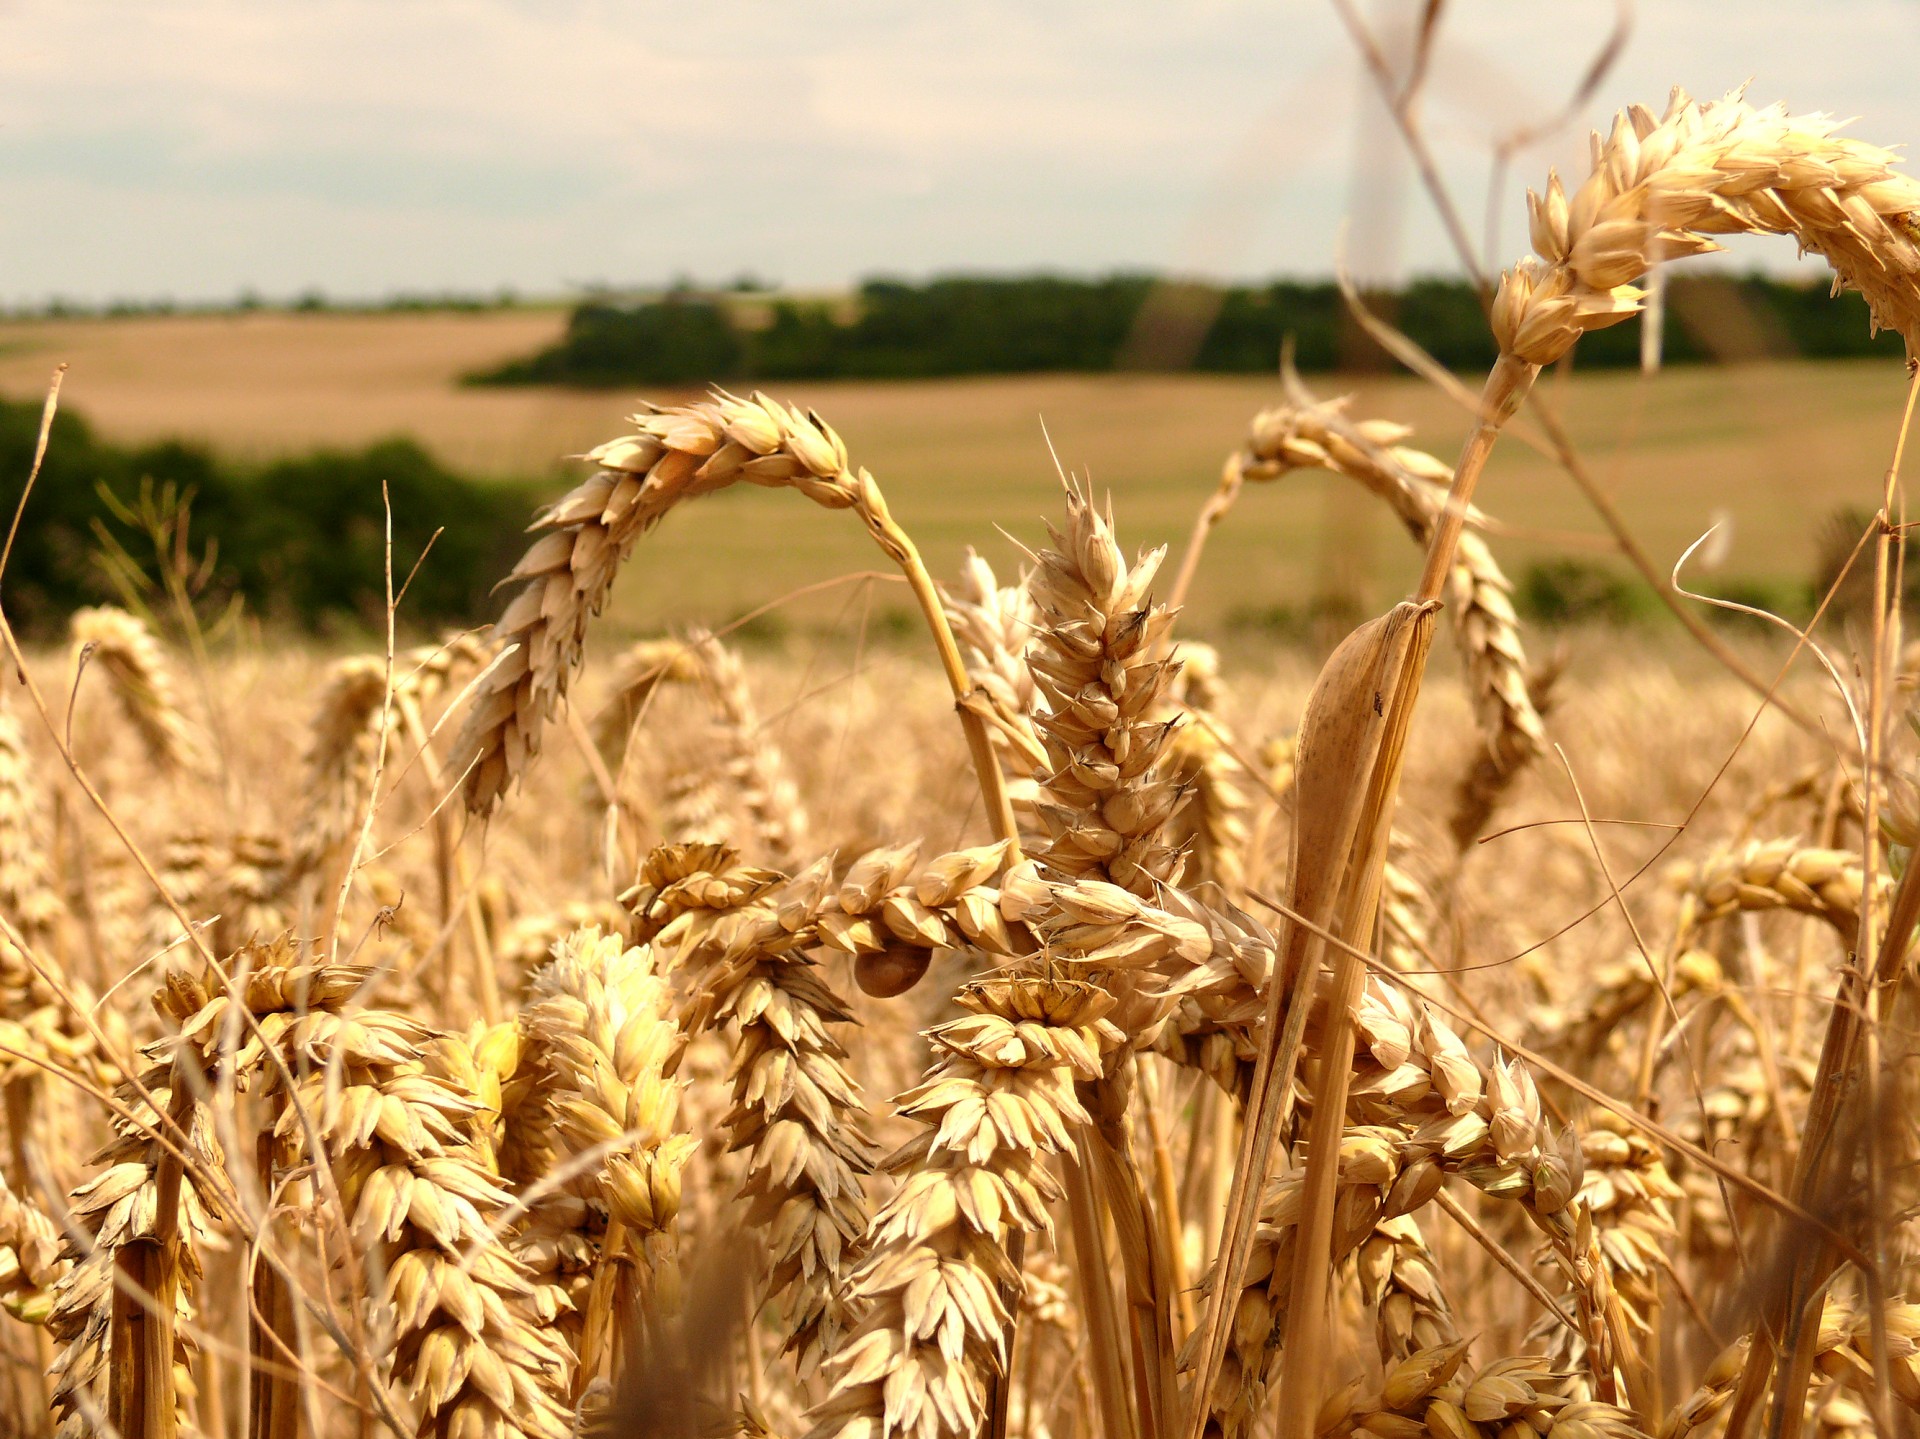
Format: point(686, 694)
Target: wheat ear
point(122, 645)
point(993, 625)
point(343, 737)
point(27, 894)
point(744, 754)
point(676, 454)
point(31, 1262)
point(1775, 875)
point(1430, 1395)
point(1202, 757)
point(1096, 663)
point(1309, 433)
point(601, 1019)
point(741, 937)
point(1842, 1350)
point(997, 1105)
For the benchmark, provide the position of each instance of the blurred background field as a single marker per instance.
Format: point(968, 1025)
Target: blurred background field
point(1765, 449)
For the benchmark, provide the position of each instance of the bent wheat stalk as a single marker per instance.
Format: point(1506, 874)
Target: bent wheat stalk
point(677, 454)
point(1305, 432)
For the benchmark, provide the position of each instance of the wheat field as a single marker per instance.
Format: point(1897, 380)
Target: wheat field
point(1054, 1027)
point(1760, 448)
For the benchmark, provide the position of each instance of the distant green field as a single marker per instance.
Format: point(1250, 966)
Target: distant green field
point(1770, 449)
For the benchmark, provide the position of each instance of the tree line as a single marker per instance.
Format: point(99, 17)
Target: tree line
point(301, 541)
point(976, 325)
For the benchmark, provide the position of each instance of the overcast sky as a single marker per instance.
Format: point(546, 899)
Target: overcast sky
point(192, 148)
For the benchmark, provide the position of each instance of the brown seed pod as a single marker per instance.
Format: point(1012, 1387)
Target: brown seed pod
point(893, 971)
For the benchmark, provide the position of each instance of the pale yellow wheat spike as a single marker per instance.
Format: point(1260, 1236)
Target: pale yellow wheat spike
point(1096, 663)
point(1399, 1280)
point(31, 981)
point(343, 738)
point(1630, 1194)
point(993, 624)
point(27, 894)
point(122, 646)
point(675, 455)
point(600, 1020)
point(749, 757)
point(1042, 1027)
point(1203, 756)
point(234, 888)
point(342, 744)
point(737, 764)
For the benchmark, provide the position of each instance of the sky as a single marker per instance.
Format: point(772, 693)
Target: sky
point(193, 149)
